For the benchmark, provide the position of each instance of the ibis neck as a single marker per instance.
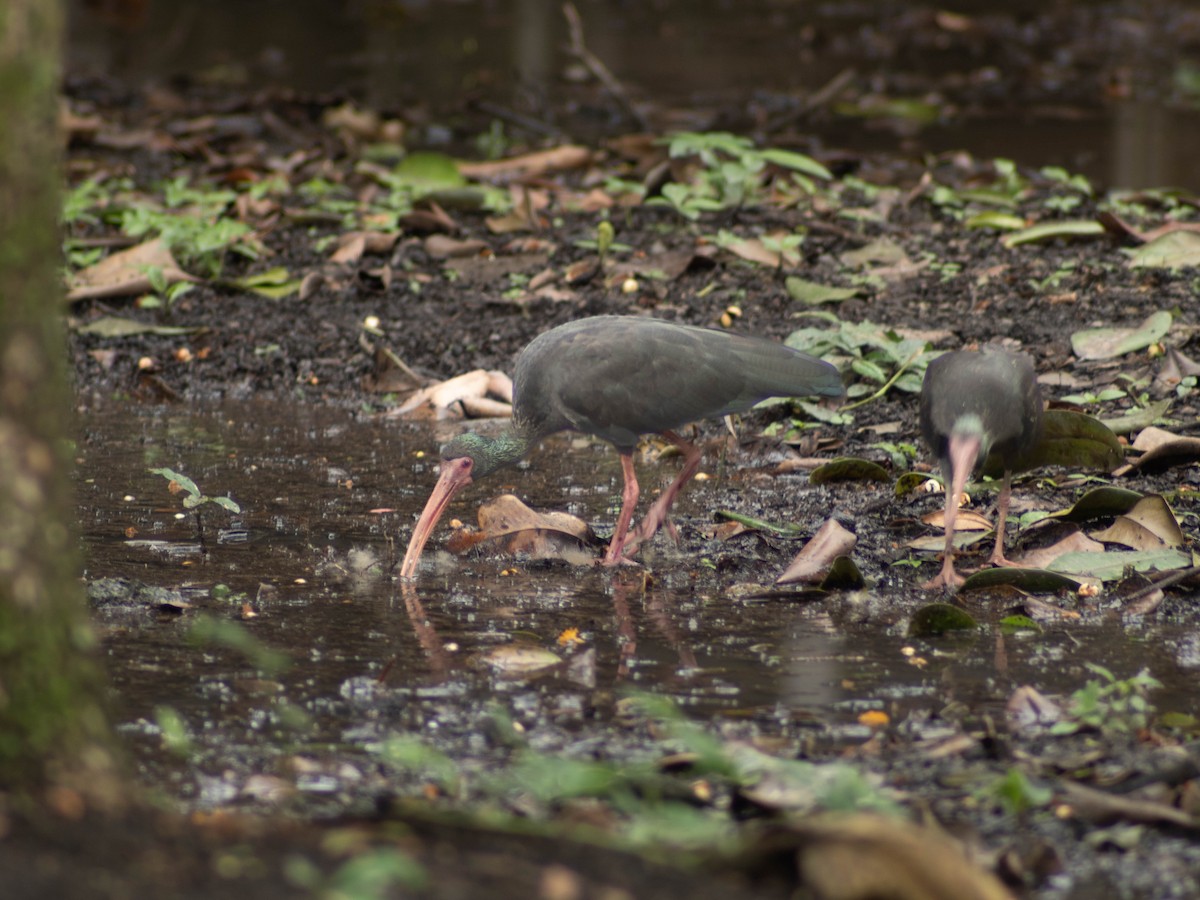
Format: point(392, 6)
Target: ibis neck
point(505, 449)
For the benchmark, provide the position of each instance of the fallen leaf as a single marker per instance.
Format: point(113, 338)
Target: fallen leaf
point(1163, 451)
point(938, 618)
point(1102, 807)
point(813, 293)
point(966, 520)
point(1044, 231)
point(1173, 250)
point(1138, 418)
point(855, 857)
point(1111, 565)
point(117, 327)
point(540, 535)
point(1075, 542)
point(123, 274)
point(557, 159)
point(1110, 342)
point(848, 468)
point(1069, 439)
point(520, 660)
point(1034, 581)
point(1148, 525)
point(441, 246)
point(815, 558)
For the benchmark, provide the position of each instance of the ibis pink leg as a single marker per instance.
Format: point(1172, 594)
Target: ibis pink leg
point(963, 451)
point(658, 514)
point(998, 558)
point(629, 498)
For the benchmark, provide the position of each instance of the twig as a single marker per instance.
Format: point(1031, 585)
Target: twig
point(1173, 578)
point(818, 98)
point(598, 69)
point(503, 113)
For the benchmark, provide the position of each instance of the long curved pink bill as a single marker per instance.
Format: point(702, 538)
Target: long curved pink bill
point(452, 478)
point(963, 452)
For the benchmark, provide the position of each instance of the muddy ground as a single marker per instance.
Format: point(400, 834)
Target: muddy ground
point(458, 288)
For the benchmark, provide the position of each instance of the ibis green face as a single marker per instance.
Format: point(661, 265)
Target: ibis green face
point(620, 377)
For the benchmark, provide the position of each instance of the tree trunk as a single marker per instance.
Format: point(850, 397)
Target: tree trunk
point(53, 730)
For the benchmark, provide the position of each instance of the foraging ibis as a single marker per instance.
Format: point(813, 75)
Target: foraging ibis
point(619, 377)
point(972, 403)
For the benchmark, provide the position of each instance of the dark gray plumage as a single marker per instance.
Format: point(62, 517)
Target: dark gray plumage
point(974, 403)
point(619, 377)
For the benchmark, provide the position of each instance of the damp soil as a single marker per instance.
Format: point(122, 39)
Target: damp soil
point(284, 405)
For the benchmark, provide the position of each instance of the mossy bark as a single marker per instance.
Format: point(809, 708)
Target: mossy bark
point(53, 730)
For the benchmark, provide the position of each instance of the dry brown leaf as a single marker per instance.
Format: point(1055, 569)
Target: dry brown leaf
point(557, 159)
point(865, 857)
point(965, 520)
point(440, 246)
point(541, 535)
point(1075, 542)
point(814, 559)
point(1152, 438)
point(1103, 808)
point(123, 274)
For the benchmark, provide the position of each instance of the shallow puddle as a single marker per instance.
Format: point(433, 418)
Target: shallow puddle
point(307, 563)
point(696, 65)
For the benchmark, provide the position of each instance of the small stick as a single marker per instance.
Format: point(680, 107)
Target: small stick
point(817, 99)
point(594, 65)
point(1173, 578)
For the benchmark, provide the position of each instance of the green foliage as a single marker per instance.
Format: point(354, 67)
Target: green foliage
point(410, 754)
point(176, 736)
point(1017, 794)
point(193, 224)
point(732, 172)
point(1108, 705)
point(194, 496)
point(880, 357)
point(372, 874)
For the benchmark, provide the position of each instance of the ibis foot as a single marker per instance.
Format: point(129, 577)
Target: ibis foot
point(948, 578)
point(1000, 561)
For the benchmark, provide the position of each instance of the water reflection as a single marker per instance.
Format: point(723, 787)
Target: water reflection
point(310, 482)
point(694, 64)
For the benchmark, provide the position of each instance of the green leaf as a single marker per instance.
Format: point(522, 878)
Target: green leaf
point(226, 503)
point(938, 618)
point(1173, 250)
point(1137, 419)
point(275, 283)
point(798, 162)
point(1000, 221)
point(814, 293)
point(1031, 581)
point(429, 171)
point(1100, 503)
point(1110, 342)
point(1044, 231)
point(117, 327)
point(182, 480)
point(1069, 439)
point(1112, 564)
point(848, 468)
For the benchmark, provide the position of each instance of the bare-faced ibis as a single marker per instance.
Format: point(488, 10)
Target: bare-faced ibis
point(619, 377)
point(972, 403)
